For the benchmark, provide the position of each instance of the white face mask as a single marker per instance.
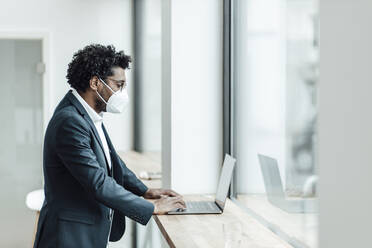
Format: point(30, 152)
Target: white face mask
point(117, 101)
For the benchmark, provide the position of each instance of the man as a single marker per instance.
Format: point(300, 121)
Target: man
point(88, 189)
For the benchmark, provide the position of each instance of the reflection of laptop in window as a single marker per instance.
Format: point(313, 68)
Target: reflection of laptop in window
point(217, 206)
point(275, 192)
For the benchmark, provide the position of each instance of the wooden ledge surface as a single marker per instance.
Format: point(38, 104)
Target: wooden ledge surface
point(298, 226)
point(215, 230)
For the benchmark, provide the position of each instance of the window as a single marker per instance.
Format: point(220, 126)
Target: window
point(274, 77)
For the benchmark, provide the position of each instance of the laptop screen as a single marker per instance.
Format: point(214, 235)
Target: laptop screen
point(271, 176)
point(225, 179)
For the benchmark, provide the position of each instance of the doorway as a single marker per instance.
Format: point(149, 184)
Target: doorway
point(21, 132)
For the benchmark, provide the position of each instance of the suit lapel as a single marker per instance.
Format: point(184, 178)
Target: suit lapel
point(85, 115)
point(111, 148)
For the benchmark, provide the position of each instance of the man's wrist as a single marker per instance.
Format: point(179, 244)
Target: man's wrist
point(147, 194)
point(155, 208)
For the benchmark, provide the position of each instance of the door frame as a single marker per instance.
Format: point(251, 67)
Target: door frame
point(44, 37)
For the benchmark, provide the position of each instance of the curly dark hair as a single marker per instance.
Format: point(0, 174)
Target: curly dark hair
point(94, 60)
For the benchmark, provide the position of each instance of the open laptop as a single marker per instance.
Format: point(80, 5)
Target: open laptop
point(275, 192)
point(216, 206)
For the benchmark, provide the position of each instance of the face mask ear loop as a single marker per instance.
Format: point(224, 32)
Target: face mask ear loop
point(99, 94)
point(107, 86)
point(101, 97)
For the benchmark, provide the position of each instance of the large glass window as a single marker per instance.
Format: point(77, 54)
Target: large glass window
point(275, 62)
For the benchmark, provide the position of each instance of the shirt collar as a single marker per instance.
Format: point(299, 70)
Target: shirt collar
point(91, 112)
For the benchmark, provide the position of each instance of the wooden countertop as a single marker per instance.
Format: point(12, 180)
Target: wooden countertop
point(298, 226)
point(229, 229)
point(138, 162)
point(222, 230)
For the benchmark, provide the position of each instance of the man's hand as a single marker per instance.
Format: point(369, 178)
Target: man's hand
point(166, 203)
point(157, 193)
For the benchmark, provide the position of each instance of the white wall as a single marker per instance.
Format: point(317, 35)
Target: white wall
point(192, 121)
point(69, 26)
point(345, 123)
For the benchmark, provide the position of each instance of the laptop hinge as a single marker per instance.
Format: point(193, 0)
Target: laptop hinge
point(218, 205)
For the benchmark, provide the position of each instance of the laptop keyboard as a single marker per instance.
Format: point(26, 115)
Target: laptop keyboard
point(201, 206)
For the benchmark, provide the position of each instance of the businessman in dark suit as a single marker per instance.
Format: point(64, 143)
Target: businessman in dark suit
point(88, 189)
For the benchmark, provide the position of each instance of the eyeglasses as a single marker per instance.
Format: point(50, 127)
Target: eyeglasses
point(120, 83)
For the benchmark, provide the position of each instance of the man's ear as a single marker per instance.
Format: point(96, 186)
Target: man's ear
point(93, 83)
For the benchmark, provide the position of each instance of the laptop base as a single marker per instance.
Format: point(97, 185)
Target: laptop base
point(202, 207)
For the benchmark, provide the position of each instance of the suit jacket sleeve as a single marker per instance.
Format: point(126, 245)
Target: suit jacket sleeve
point(73, 148)
point(131, 182)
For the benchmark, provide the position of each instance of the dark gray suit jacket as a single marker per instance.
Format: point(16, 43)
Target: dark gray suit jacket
point(79, 186)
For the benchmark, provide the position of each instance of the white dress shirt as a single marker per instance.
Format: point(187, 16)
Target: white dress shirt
point(97, 120)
